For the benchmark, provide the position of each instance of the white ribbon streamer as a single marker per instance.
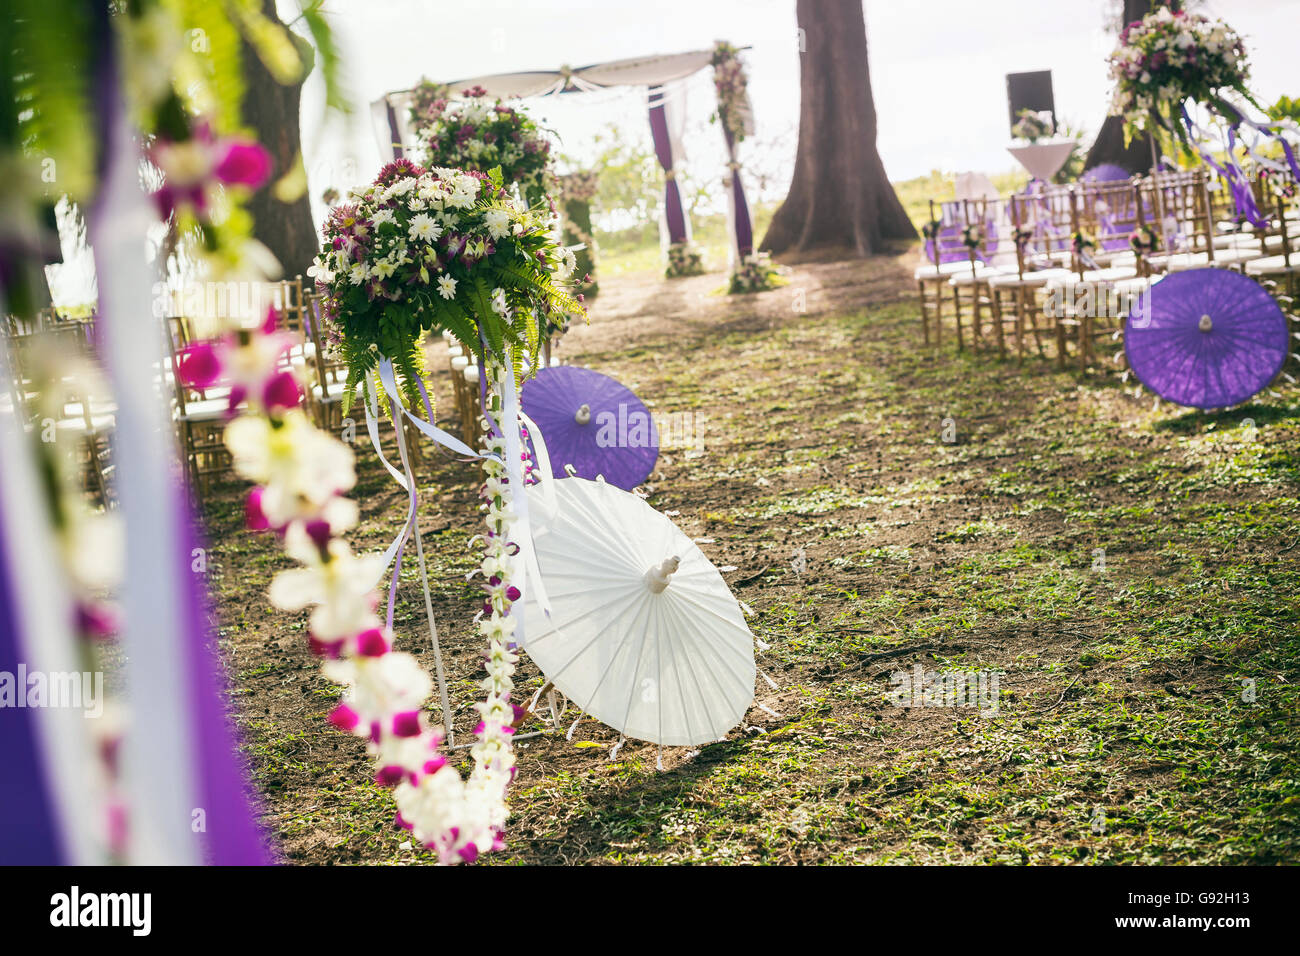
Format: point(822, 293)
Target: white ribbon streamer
point(512, 413)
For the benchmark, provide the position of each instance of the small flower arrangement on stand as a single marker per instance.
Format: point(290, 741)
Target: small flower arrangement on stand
point(1032, 126)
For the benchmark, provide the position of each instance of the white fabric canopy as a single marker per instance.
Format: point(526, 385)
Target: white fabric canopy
point(634, 71)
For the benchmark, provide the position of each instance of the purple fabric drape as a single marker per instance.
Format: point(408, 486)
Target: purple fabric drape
point(29, 834)
point(398, 151)
point(232, 837)
point(744, 227)
point(183, 636)
point(674, 214)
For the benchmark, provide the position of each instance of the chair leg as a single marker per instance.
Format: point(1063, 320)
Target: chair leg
point(925, 319)
point(938, 315)
point(191, 463)
point(1027, 311)
point(956, 301)
point(92, 453)
point(996, 311)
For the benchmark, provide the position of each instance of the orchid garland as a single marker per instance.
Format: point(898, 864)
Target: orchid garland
point(577, 191)
point(91, 554)
point(433, 806)
point(301, 474)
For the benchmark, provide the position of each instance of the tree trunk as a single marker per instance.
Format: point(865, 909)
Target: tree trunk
point(840, 195)
point(271, 110)
point(1139, 155)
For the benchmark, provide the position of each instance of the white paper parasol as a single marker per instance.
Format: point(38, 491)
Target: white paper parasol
point(643, 634)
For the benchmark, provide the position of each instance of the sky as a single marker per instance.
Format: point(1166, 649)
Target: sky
point(937, 67)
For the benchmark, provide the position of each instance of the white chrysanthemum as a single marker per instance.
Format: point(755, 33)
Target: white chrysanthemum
point(446, 287)
point(399, 188)
point(423, 226)
point(497, 222)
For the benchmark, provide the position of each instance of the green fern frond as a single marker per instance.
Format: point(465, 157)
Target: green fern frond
point(330, 59)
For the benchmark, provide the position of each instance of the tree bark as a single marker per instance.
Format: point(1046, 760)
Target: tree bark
point(839, 195)
point(1139, 155)
point(271, 110)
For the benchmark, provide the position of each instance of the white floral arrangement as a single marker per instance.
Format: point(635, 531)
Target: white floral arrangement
point(755, 273)
point(1169, 57)
point(478, 132)
point(423, 250)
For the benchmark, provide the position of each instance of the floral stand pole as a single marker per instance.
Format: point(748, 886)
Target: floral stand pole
point(413, 527)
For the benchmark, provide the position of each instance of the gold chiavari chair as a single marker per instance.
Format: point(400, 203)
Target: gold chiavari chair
point(329, 374)
point(1283, 265)
point(1014, 295)
point(199, 415)
point(971, 284)
point(55, 388)
point(1092, 303)
point(1178, 207)
point(946, 256)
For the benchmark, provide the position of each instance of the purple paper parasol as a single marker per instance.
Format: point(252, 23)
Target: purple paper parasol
point(593, 423)
point(1206, 338)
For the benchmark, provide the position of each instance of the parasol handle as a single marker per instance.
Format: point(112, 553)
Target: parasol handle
point(657, 578)
point(1206, 323)
point(583, 415)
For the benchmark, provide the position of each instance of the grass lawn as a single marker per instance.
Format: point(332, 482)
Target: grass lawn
point(1130, 571)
